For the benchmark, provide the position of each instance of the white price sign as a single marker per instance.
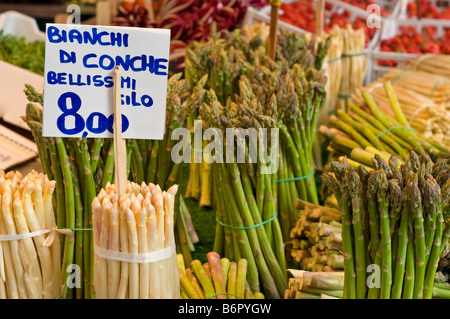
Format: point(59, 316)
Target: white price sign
point(79, 67)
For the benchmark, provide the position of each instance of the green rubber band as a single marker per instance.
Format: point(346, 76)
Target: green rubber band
point(334, 60)
point(436, 85)
point(76, 229)
point(393, 128)
point(247, 227)
point(349, 55)
point(294, 178)
point(224, 293)
point(399, 75)
point(344, 96)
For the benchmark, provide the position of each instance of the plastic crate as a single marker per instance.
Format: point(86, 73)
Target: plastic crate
point(393, 6)
point(12, 78)
point(390, 29)
point(403, 7)
point(263, 15)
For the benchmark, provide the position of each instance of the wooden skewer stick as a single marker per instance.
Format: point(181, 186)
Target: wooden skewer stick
point(320, 24)
point(418, 5)
point(273, 28)
point(120, 150)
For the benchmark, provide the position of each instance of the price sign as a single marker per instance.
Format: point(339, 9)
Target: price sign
point(79, 66)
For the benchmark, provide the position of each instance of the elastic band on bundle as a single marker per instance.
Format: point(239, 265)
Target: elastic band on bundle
point(294, 178)
point(393, 128)
point(247, 227)
point(140, 258)
point(350, 55)
point(48, 240)
point(76, 229)
point(399, 75)
point(436, 85)
point(224, 293)
point(344, 96)
point(334, 60)
point(416, 112)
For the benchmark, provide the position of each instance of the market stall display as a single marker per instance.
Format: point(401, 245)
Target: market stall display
point(320, 171)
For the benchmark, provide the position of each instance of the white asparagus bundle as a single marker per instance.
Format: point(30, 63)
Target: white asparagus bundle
point(139, 222)
point(438, 64)
point(354, 63)
point(30, 265)
point(434, 86)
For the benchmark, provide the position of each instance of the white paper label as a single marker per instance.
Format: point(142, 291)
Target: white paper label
point(79, 68)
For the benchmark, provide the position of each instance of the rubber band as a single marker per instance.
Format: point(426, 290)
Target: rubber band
point(350, 55)
point(294, 178)
point(344, 96)
point(334, 60)
point(376, 85)
point(141, 258)
point(247, 227)
point(436, 85)
point(76, 229)
point(393, 128)
point(399, 75)
point(223, 293)
point(420, 59)
point(48, 240)
point(416, 112)
point(25, 236)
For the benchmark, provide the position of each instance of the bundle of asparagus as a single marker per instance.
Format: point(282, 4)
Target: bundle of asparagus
point(431, 63)
point(134, 243)
point(247, 226)
point(294, 94)
point(432, 85)
point(315, 285)
point(367, 130)
point(354, 63)
point(30, 264)
point(219, 278)
point(394, 221)
point(426, 117)
point(316, 241)
point(227, 57)
point(81, 167)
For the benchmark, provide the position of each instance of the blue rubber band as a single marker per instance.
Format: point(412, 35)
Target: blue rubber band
point(224, 293)
point(294, 178)
point(393, 128)
point(247, 227)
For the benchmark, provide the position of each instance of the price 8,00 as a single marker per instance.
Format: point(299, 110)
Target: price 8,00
point(103, 123)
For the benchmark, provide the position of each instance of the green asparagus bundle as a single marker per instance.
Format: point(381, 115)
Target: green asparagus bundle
point(315, 285)
point(247, 226)
point(219, 278)
point(81, 167)
point(394, 224)
point(237, 68)
point(226, 57)
point(316, 240)
point(366, 130)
